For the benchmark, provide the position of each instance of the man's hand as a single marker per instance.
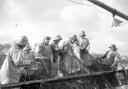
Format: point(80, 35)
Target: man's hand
point(40, 58)
point(82, 48)
point(37, 59)
point(27, 62)
point(44, 57)
point(87, 51)
point(80, 60)
point(99, 58)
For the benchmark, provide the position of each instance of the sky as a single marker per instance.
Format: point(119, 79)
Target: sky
point(39, 18)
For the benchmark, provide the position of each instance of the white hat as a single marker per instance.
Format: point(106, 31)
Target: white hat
point(57, 37)
point(23, 40)
point(113, 46)
point(82, 33)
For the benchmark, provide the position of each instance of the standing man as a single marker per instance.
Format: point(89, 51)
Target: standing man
point(84, 49)
point(44, 53)
point(56, 51)
point(56, 48)
point(84, 42)
point(14, 61)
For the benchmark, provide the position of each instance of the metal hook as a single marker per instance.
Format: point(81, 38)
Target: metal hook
point(114, 12)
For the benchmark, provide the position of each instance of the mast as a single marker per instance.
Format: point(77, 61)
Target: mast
point(108, 8)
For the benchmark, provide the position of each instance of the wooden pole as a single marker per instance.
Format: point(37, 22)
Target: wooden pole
point(52, 80)
point(108, 8)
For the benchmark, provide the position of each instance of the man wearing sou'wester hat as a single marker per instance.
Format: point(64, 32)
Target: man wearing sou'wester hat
point(14, 61)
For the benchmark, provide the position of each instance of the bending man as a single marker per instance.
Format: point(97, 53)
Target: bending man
point(14, 61)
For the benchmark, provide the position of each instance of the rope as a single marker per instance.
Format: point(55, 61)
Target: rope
point(78, 2)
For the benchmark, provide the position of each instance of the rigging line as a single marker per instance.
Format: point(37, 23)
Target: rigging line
point(78, 2)
point(124, 23)
point(92, 5)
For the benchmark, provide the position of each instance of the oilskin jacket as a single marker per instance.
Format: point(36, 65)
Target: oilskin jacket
point(14, 61)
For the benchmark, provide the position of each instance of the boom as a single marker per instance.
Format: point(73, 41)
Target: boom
point(108, 8)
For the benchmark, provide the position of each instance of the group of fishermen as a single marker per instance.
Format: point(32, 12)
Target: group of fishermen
point(21, 55)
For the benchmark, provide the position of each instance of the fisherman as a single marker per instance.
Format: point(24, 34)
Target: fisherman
point(44, 55)
point(84, 42)
point(56, 50)
point(80, 63)
point(84, 49)
point(70, 57)
point(14, 61)
point(29, 54)
point(69, 45)
point(111, 57)
point(110, 60)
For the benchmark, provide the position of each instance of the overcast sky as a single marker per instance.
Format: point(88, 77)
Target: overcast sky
point(38, 18)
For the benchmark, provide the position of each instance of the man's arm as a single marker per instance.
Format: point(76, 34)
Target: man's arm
point(88, 46)
point(19, 59)
point(117, 59)
point(77, 53)
point(105, 55)
point(38, 51)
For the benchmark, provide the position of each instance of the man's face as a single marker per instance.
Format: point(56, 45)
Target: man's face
point(28, 51)
point(73, 40)
point(22, 46)
point(113, 49)
point(76, 42)
point(57, 41)
point(82, 36)
point(47, 41)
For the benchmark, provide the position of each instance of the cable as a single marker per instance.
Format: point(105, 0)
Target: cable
point(78, 2)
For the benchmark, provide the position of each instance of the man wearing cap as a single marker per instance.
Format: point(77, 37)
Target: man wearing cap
point(56, 51)
point(55, 47)
point(84, 49)
point(110, 61)
point(14, 61)
point(44, 54)
point(111, 57)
